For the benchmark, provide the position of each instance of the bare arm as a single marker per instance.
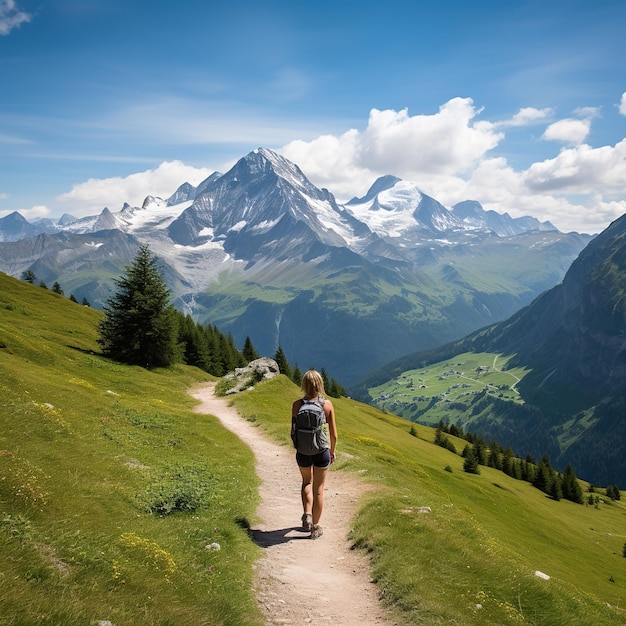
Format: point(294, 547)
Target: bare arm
point(329, 411)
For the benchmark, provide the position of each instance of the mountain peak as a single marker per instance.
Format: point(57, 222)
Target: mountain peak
point(380, 184)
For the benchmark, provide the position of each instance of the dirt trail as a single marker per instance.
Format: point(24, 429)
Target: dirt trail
point(299, 580)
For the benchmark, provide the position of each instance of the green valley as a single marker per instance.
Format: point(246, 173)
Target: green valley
point(119, 503)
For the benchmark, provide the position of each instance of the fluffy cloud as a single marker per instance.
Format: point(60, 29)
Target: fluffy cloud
point(92, 196)
point(580, 170)
point(11, 16)
point(448, 155)
point(568, 131)
point(622, 104)
point(433, 147)
point(525, 116)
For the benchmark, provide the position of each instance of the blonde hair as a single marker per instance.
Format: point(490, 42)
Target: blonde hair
point(312, 384)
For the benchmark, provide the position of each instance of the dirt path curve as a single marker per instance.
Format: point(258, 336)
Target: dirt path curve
point(300, 581)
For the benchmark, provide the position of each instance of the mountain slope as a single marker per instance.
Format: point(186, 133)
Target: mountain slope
point(571, 343)
point(86, 444)
point(111, 487)
point(262, 253)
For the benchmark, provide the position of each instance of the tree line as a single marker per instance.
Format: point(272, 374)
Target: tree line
point(30, 277)
point(541, 475)
point(141, 327)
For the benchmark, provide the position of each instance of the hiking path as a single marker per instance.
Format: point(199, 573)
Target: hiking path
point(301, 581)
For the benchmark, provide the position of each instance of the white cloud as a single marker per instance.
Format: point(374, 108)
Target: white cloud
point(448, 156)
point(30, 214)
point(622, 104)
point(581, 170)
point(568, 130)
point(92, 196)
point(35, 212)
point(11, 16)
point(417, 148)
point(525, 116)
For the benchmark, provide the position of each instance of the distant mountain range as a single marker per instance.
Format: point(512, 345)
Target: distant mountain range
point(261, 252)
point(572, 342)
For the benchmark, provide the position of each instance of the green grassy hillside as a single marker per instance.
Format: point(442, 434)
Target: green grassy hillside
point(111, 488)
point(472, 559)
point(114, 496)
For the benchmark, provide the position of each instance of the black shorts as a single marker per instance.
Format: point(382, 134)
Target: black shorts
point(321, 460)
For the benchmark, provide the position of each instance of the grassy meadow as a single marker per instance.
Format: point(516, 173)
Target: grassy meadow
point(451, 381)
point(118, 503)
point(472, 559)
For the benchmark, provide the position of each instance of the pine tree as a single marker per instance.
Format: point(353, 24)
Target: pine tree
point(283, 364)
point(249, 353)
point(544, 476)
point(571, 487)
point(455, 431)
point(480, 451)
point(612, 491)
point(335, 389)
point(556, 490)
point(73, 298)
point(139, 325)
point(29, 276)
point(296, 375)
point(470, 465)
point(56, 287)
point(494, 460)
point(325, 379)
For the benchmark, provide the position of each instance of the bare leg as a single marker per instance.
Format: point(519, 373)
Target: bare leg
point(319, 478)
point(306, 490)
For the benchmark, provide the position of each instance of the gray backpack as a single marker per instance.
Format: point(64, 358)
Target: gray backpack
point(307, 431)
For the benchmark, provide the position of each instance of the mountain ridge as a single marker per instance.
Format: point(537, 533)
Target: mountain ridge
point(572, 344)
point(260, 247)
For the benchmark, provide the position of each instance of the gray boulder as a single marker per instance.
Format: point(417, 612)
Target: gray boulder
point(245, 377)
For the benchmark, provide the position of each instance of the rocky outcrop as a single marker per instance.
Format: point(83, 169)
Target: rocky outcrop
point(245, 377)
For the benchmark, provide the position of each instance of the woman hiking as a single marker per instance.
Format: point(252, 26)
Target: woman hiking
point(315, 447)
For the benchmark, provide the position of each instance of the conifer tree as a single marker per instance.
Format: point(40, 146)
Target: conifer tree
point(249, 353)
point(480, 451)
point(555, 488)
point(494, 459)
point(544, 476)
point(336, 390)
point(571, 487)
point(612, 491)
point(139, 325)
point(73, 298)
point(455, 431)
point(296, 375)
point(325, 379)
point(29, 276)
point(470, 465)
point(283, 364)
point(56, 287)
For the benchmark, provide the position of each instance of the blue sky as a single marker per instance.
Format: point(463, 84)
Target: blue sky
point(520, 105)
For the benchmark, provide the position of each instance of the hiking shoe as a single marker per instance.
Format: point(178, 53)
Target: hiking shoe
point(307, 522)
point(316, 531)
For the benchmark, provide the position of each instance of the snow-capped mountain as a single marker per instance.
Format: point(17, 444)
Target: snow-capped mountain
point(264, 206)
point(262, 252)
point(503, 225)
